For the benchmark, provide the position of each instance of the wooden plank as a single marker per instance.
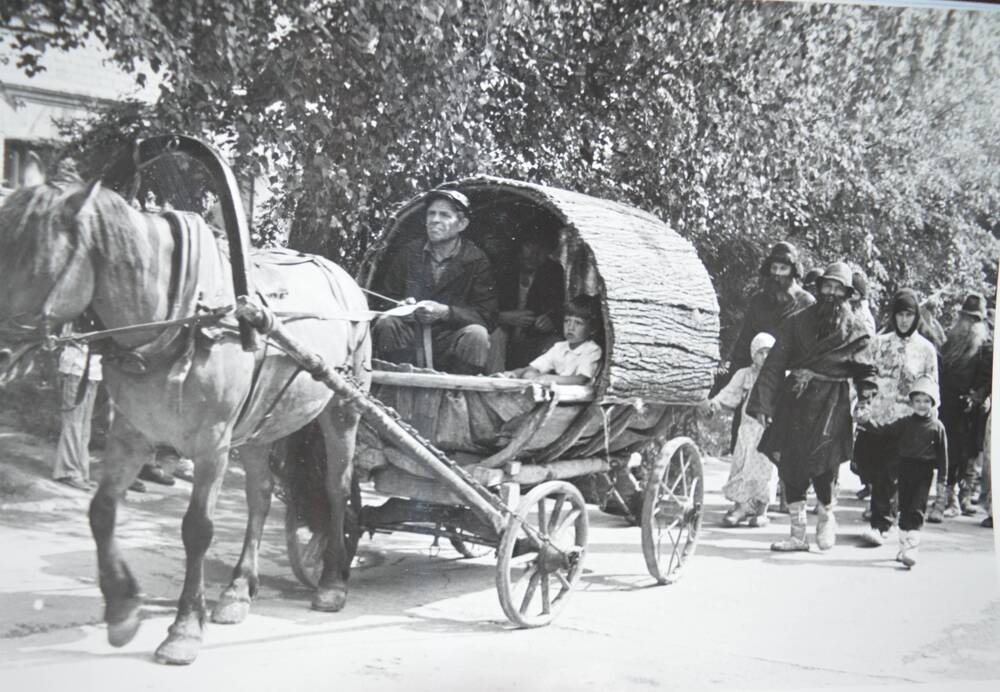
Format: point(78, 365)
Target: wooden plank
point(568, 394)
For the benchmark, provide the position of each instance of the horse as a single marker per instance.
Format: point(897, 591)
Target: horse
point(69, 247)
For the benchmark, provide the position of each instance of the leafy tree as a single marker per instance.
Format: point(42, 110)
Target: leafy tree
point(866, 132)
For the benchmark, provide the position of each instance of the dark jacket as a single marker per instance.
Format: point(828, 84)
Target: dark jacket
point(812, 428)
point(915, 438)
point(546, 296)
point(467, 285)
point(764, 315)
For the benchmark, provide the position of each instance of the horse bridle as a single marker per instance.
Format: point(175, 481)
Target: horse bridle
point(42, 331)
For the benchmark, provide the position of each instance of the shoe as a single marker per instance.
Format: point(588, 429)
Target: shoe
point(826, 527)
point(909, 541)
point(796, 541)
point(873, 537)
point(987, 523)
point(75, 483)
point(137, 487)
point(155, 474)
point(935, 515)
point(865, 491)
point(758, 521)
point(734, 516)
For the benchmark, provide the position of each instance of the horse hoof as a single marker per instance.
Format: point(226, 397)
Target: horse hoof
point(178, 650)
point(231, 612)
point(329, 600)
point(122, 632)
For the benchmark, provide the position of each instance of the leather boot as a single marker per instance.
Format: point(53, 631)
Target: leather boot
point(952, 509)
point(936, 513)
point(826, 527)
point(965, 499)
point(797, 538)
point(909, 542)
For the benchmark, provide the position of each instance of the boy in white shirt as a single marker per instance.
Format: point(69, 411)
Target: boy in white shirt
point(575, 360)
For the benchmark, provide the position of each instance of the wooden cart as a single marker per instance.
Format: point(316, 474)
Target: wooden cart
point(487, 462)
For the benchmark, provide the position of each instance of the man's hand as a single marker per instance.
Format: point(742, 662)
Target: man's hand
point(429, 312)
point(763, 419)
point(723, 368)
point(517, 318)
point(544, 325)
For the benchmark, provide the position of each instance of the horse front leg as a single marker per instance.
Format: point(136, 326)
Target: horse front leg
point(234, 603)
point(340, 426)
point(128, 450)
point(184, 636)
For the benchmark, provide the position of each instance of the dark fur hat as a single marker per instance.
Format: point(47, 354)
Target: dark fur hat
point(782, 252)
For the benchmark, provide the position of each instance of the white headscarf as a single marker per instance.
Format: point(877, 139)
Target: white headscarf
point(762, 340)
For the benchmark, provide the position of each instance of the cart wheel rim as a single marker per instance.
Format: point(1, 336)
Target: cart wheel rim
point(541, 554)
point(672, 510)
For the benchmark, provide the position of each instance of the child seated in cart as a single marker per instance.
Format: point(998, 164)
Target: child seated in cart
point(575, 360)
point(751, 483)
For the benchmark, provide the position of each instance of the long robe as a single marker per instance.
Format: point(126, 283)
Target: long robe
point(811, 431)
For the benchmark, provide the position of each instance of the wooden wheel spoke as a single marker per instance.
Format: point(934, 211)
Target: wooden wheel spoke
point(556, 509)
point(542, 527)
point(529, 593)
point(567, 520)
point(563, 581)
point(546, 599)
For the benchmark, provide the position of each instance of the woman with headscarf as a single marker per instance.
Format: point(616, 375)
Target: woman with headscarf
point(902, 356)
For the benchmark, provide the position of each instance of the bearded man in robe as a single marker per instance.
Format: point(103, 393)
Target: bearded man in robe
point(824, 349)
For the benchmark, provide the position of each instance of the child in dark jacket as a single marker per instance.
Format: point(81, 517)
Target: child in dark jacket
point(920, 445)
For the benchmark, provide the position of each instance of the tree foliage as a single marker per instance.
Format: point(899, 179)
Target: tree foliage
point(865, 132)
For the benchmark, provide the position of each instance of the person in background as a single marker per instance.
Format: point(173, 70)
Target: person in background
point(902, 357)
point(779, 296)
point(751, 476)
point(920, 444)
point(78, 368)
point(810, 279)
point(966, 364)
point(859, 301)
point(531, 299)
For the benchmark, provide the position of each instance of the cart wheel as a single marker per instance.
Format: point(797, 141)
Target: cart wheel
point(527, 571)
point(672, 509)
point(306, 547)
point(470, 550)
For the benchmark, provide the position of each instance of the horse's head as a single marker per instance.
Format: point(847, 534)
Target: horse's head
point(46, 263)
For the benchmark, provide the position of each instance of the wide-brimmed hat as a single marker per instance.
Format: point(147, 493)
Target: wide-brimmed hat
point(925, 385)
point(974, 305)
point(840, 272)
point(782, 252)
point(453, 196)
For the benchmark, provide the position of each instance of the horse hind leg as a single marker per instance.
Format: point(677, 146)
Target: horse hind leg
point(128, 450)
point(185, 635)
point(339, 424)
point(234, 602)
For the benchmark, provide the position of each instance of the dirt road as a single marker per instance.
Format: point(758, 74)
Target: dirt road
point(742, 618)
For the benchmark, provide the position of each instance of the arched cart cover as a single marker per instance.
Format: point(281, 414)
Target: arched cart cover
point(661, 316)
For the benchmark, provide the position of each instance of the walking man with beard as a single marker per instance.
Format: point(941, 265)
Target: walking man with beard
point(966, 373)
point(807, 413)
point(779, 296)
